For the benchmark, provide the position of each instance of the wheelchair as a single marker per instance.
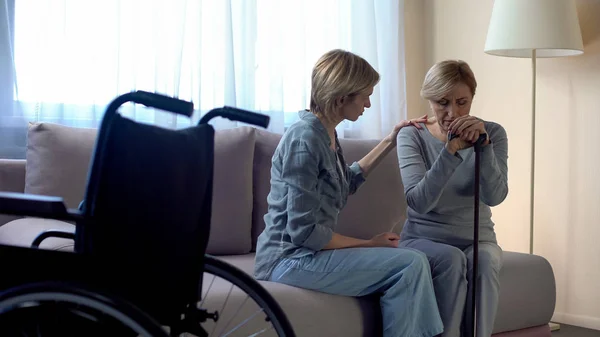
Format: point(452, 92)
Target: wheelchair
point(139, 265)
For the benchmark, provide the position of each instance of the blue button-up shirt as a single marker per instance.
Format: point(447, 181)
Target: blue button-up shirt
point(310, 183)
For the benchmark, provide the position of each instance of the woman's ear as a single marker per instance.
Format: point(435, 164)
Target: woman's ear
point(340, 101)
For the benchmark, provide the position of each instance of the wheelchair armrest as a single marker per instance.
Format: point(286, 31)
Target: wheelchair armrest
point(51, 233)
point(36, 206)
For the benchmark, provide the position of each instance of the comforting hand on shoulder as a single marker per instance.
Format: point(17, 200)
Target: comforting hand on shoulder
point(414, 122)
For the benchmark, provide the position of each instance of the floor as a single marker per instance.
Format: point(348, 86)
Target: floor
point(573, 331)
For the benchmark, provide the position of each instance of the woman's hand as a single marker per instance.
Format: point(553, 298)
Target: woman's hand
point(385, 240)
point(374, 157)
point(414, 122)
point(339, 241)
point(468, 128)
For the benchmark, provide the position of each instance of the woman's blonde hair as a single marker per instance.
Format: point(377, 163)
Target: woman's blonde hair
point(336, 74)
point(444, 75)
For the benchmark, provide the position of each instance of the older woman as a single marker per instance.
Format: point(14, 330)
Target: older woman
point(310, 183)
point(438, 181)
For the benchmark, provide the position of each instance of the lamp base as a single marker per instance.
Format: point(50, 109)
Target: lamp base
point(554, 326)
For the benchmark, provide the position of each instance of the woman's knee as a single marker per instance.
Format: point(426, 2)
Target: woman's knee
point(449, 260)
point(410, 259)
point(490, 263)
point(442, 258)
point(417, 256)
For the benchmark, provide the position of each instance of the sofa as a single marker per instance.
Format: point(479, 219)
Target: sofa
point(57, 161)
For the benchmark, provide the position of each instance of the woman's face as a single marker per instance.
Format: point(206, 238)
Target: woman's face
point(354, 106)
point(455, 104)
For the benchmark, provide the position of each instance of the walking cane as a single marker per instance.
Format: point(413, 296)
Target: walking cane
point(477, 148)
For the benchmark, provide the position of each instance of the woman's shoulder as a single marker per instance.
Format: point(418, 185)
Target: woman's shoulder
point(303, 135)
point(303, 132)
point(411, 133)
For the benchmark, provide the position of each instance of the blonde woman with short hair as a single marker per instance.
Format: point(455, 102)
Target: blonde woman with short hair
point(310, 183)
point(438, 177)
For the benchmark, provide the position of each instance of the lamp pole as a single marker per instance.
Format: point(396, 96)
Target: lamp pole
point(532, 173)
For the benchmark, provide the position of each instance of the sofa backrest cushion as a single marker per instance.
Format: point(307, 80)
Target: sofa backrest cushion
point(378, 206)
point(231, 222)
point(265, 145)
point(58, 160)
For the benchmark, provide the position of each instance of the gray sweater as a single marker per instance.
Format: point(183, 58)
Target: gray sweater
point(439, 186)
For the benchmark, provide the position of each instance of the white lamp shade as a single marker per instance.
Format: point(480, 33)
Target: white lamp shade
point(517, 27)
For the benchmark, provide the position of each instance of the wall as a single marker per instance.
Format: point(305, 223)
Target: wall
point(567, 181)
point(417, 43)
point(567, 213)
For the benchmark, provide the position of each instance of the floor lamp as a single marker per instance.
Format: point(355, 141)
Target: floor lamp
point(532, 29)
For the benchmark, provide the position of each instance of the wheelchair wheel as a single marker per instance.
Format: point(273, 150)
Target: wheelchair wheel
point(61, 309)
point(227, 290)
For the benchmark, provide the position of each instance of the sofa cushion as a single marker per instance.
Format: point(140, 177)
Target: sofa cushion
point(231, 222)
point(379, 204)
point(311, 313)
point(58, 159)
point(527, 298)
point(265, 145)
point(22, 232)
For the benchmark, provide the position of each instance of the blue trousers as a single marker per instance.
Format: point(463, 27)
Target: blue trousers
point(450, 269)
point(401, 275)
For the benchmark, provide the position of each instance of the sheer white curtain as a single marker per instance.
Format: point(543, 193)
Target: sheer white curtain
point(63, 61)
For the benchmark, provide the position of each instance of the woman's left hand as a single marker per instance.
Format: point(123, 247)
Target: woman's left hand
point(468, 128)
point(414, 122)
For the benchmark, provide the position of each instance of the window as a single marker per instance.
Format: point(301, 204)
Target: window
point(254, 55)
point(70, 58)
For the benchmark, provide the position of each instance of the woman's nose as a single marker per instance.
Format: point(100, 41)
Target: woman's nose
point(452, 110)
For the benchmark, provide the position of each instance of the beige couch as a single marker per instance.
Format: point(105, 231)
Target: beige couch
point(57, 163)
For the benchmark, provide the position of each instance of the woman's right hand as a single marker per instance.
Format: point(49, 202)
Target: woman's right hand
point(386, 239)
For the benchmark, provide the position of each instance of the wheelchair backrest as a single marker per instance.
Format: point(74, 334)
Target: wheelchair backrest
point(147, 210)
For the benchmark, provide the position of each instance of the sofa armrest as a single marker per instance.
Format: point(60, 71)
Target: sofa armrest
point(12, 179)
point(527, 292)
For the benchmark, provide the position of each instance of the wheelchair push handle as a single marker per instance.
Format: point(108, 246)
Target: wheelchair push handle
point(237, 114)
point(154, 100)
point(247, 117)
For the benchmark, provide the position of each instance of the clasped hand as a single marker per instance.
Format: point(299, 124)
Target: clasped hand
point(468, 129)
